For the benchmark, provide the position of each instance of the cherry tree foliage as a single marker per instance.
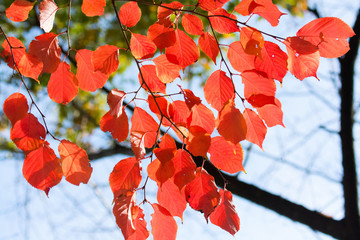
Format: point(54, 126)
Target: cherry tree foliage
point(184, 128)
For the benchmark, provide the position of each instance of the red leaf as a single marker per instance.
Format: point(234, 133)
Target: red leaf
point(15, 107)
point(184, 168)
point(115, 101)
point(46, 48)
point(160, 172)
point(125, 211)
point(130, 14)
point(329, 34)
point(218, 89)
point(138, 144)
point(256, 129)
point(303, 61)
point(74, 162)
point(231, 123)
point(199, 141)
point(259, 100)
point(251, 40)
point(19, 10)
point(209, 5)
point(184, 52)
point(166, 149)
point(225, 155)
point(62, 87)
point(141, 47)
point(152, 82)
point(18, 50)
point(42, 168)
point(163, 225)
point(170, 197)
point(223, 24)
point(141, 233)
point(142, 122)
point(118, 126)
point(192, 24)
point(166, 71)
point(166, 12)
point(106, 59)
point(30, 66)
point(273, 61)
point(203, 117)
point(190, 98)
point(240, 60)
point(246, 7)
point(47, 9)
point(163, 36)
point(181, 112)
point(201, 193)
point(225, 215)
point(256, 83)
point(209, 46)
point(93, 8)
point(89, 79)
point(28, 134)
point(166, 109)
point(272, 114)
point(125, 177)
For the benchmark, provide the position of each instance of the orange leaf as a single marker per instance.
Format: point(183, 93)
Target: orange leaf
point(106, 59)
point(141, 47)
point(166, 109)
point(125, 211)
point(203, 117)
point(259, 100)
point(225, 215)
point(163, 225)
point(251, 40)
point(15, 107)
point(163, 36)
point(246, 7)
point(160, 172)
point(166, 12)
point(190, 98)
point(141, 233)
point(19, 10)
point(223, 24)
point(130, 14)
point(47, 9)
point(28, 134)
point(192, 24)
point(201, 193)
point(142, 122)
point(166, 149)
point(62, 87)
point(46, 48)
point(115, 101)
point(256, 83)
point(181, 112)
point(125, 177)
point(93, 8)
point(30, 66)
point(75, 163)
point(138, 144)
point(184, 168)
point(231, 123)
point(166, 71)
point(209, 5)
point(89, 79)
point(238, 59)
point(199, 141)
point(272, 114)
point(42, 168)
point(18, 50)
point(209, 46)
point(303, 57)
point(225, 155)
point(184, 52)
point(170, 197)
point(218, 89)
point(118, 126)
point(329, 34)
point(256, 129)
point(273, 61)
point(153, 83)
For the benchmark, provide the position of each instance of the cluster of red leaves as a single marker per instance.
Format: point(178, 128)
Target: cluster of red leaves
point(258, 62)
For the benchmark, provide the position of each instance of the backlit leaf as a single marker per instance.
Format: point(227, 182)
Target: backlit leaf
point(238, 59)
point(106, 59)
point(74, 163)
point(93, 8)
point(251, 40)
point(141, 47)
point(151, 82)
point(15, 107)
point(47, 9)
point(19, 10)
point(209, 5)
point(130, 14)
point(256, 129)
point(30, 66)
point(160, 172)
point(184, 168)
point(166, 71)
point(115, 101)
point(203, 117)
point(209, 46)
point(166, 12)
point(272, 114)
point(42, 168)
point(163, 36)
point(223, 24)
point(192, 24)
point(118, 126)
point(199, 141)
point(256, 83)
point(18, 51)
point(163, 225)
point(124, 210)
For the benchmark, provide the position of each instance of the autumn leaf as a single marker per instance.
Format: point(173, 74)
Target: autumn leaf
point(15, 51)
point(125, 177)
point(130, 14)
point(256, 83)
point(42, 168)
point(93, 8)
point(30, 66)
point(106, 59)
point(115, 101)
point(223, 24)
point(181, 112)
point(190, 98)
point(211, 5)
point(201, 193)
point(150, 81)
point(141, 47)
point(192, 24)
point(184, 168)
point(124, 210)
point(47, 9)
point(117, 126)
point(256, 129)
point(225, 155)
point(165, 12)
point(198, 142)
point(160, 172)
point(144, 123)
point(19, 10)
point(203, 117)
point(225, 215)
point(163, 36)
point(209, 46)
point(251, 40)
point(15, 107)
point(166, 71)
point(238, 59)
point(271, 114)
point(163, 225)
point(62, 87)
point(74, 163)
